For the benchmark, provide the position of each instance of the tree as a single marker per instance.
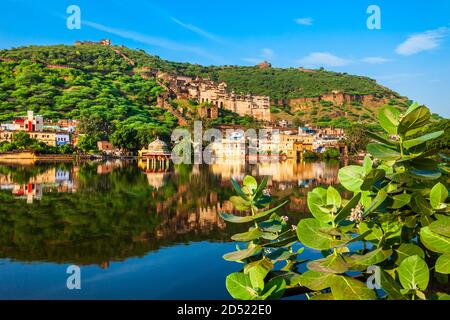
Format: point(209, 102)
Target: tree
point(125, 138)
point(22, 140)
point(87, 143)
point(356, 138)
point(96, 124)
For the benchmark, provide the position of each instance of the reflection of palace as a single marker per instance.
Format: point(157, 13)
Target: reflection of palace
point(288, 173)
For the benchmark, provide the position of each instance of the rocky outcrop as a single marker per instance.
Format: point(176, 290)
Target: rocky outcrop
point(337, 98)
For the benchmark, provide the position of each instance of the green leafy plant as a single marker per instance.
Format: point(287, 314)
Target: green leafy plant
point(392, 235)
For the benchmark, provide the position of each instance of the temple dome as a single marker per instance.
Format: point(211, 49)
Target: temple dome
point(158, 147)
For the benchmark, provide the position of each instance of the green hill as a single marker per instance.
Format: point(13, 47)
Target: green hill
point(69, 81)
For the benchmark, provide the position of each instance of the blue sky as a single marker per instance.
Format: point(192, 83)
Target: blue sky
point(409, 54)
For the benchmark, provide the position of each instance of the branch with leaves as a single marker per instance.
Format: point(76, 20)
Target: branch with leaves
point(397, 224)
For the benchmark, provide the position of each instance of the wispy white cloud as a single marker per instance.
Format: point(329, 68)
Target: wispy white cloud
point(266, 54)
point(323, 59)
point(252, 60)
point(197, 30)
point(375, 60)
point(304, 21)
point(424, 41)
point(151, 40)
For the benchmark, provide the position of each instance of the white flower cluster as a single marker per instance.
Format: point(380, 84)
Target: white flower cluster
point(357, 213)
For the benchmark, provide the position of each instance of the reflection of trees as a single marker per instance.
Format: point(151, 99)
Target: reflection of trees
point(111, 217)
point(115, 214)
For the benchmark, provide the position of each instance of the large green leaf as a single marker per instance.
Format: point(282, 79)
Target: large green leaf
point(408, 144)
point(322, 296)
point(372, 258)
point(240, 203)
point(242, 254)
point(235, 219)
point(239, 286)
point(331, 264)
point(274, 289)
point(383, 152)
point(425, 174)
point(401, 200)
point(433, 241)
point(351, 177)
point(261, 187)
point(238, 189)
point(390, 286)
point(413, 273)
point(416, 119)
point(253, 234)
point(333, 197)
point(309, 234)
point(443, 264)
point(407, 250)
point(389, 119)
point(412, 107)
point(376, 232)
point(316, 201)
point(280, 254)
point(372, 178)
point(438, 195)
point(377, 202)
point(271, 225)
point(420, 205)
point(380, 138)
point(441, 227)
point(257, 271)
point(267, 212)
point(250, 183)
point(316, 280)
point(346, 288)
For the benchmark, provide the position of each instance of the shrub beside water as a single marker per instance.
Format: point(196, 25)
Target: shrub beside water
point(398, 218)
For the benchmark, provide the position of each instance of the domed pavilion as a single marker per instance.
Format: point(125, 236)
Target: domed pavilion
point(158, 156)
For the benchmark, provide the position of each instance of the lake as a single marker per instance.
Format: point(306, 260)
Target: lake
point(135, 233)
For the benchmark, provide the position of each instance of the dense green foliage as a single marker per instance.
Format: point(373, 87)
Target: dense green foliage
point(278, 83)
point(98, 84)
point(356, 138)
point(393, 235)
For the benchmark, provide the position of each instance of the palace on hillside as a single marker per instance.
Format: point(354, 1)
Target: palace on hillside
point(218, 96)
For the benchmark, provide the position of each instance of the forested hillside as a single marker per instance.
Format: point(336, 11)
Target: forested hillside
point(92, 81)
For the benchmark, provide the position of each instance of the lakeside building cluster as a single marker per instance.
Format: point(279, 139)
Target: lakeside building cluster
point(282, 141)
point(52, 134)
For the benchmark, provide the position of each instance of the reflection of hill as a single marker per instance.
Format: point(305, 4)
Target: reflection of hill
point(116, 211)
point(112, 216)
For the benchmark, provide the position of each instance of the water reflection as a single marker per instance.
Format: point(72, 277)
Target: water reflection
point(95, 213)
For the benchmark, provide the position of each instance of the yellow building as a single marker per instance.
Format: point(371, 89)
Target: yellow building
point(52, 139)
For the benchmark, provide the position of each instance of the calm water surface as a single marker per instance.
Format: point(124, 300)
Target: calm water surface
point(136, 234)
